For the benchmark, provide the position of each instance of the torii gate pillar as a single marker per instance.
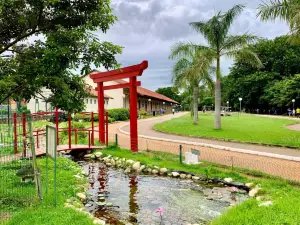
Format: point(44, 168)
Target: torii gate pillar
point(130, 72)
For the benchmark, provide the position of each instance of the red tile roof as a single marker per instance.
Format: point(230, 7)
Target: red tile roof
point(95, 93)
point(146, 92)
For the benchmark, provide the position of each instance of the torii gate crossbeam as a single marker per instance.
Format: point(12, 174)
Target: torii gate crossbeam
point(130, 72)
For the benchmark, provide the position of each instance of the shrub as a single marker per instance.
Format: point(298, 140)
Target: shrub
point(83, 117)
point(78, 125)
point(111, 120)
point(143, 113)
point(118, 114)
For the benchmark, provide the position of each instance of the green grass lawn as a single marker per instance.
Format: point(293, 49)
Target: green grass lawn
point(284, 195)
point(246, 128)
point(20, 201)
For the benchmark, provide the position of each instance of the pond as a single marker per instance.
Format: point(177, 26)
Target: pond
point(120, 198)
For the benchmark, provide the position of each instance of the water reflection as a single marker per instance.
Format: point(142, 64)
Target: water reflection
point(133, 204)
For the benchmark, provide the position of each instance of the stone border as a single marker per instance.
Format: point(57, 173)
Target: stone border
point(239, 150)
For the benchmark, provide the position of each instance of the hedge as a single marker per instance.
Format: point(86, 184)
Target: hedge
point(118, 114)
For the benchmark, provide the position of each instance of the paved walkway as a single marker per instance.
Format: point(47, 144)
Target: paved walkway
point(145, 128)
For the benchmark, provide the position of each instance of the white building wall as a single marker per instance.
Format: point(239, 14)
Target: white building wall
point(36, 104)
point(91, 104)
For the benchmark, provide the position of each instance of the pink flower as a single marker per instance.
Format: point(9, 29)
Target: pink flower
point(234, 189)
point(159, 210)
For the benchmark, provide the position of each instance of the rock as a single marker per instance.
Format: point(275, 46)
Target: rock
point(267, 203)
point(98, 154)
point(89, 205)
point(250, 185)
point(169, 174)
point(175, 174)
point(113, 162)
point(238, 185)
point(149, 170)
point(98, 221)
point(81, 196)
point(195, 178)
point(87, 156)
point(109, 204)
point(216, 180)
point(189, 176)
point(142, 167)
point(154, 171)
point(182, 176)
point(202, 177)
point(228, 180)
point(255, 191)
point(129, 161)
point(128, 170)
point(163, 170)
point(108, 164)
point(136, 166)
point(93, 156)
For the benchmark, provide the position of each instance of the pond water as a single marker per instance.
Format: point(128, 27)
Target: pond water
point(119, 198)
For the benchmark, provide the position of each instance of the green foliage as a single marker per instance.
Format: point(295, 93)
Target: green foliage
point(259, 89)
point(111, 120)
point(170, 92)
point(118, 114)
point(83, 117)
point(142, 113)
point(68, 45)
point(78, 125)
point(207, 101)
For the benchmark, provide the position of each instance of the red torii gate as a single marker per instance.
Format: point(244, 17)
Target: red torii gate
point(130, 72)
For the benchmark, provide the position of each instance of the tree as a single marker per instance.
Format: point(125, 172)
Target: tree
point(287, 10)
point(220, 43)
point(280, 59)
point(68, 45)
point(170, 92)
point(190, 70)
point(20, 19)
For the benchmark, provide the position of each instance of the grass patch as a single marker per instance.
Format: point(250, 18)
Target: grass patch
point(284, 194)
point(43, 212)
point(246, 128)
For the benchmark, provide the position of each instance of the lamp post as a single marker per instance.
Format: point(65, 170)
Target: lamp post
point(293, 104)
point(240, 99)
point(149, 100)
point(227, 105)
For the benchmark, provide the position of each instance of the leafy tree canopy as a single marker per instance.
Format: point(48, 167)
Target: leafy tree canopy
point(170, 92)
point(280, 60)
point(67, 46)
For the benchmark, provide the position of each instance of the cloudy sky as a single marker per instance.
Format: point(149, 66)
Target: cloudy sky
point(148, 28)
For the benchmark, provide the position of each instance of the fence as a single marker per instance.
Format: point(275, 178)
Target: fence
point(286, 169)
point(17, 168)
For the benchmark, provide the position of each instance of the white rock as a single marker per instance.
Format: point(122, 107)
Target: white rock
point(142, 167)
point(189, 176)
point(163, 170)
point(250, 185)
point(82, 196)
point(128, 170)
point(254, 192)
point(87, 156)
point(267, 203)
point(136, 166)
point(149, 170)
point(108, 164)
point(175, 174)
point(195, 178)
point(113, 162)
point(182, 176)
point(98, 154)
point(98, 221)
point(228, 180)
point(155, 171)
point(129, 161)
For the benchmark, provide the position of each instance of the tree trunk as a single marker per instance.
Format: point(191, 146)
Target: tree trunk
point(218, 96)
point(195, 98)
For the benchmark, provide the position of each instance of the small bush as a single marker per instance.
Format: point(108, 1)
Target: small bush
point(85, 118)
point(111, 120)
point(78, 125)
point(143, 113)
point(119, 114)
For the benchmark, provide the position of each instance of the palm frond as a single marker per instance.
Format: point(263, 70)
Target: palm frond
point(230, 16)
point(236, 42)
point(179, 72)
point(275, 9)
point(246, 56)
point(182, 49)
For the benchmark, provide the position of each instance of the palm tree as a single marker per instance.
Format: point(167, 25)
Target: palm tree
point(220, 43)
point(286, 10)
point(190, 70)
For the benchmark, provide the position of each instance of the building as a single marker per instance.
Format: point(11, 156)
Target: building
point(148, 101)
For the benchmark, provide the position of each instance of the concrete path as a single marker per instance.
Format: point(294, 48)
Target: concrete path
point(145, 128)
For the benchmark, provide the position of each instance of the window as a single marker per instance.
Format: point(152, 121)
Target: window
point(95, 101)
point(91, 101)
point(87, 101)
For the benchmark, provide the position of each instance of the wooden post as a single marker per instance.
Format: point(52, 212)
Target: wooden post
point(93, 133)
point(69, 130)
point(37, 139)
point(106, 118)
point(89, 139)
point(24, 133)
point(76, 140)
point(101, 113)
point(56, 124)
point(15, 134)
point(133, 115)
